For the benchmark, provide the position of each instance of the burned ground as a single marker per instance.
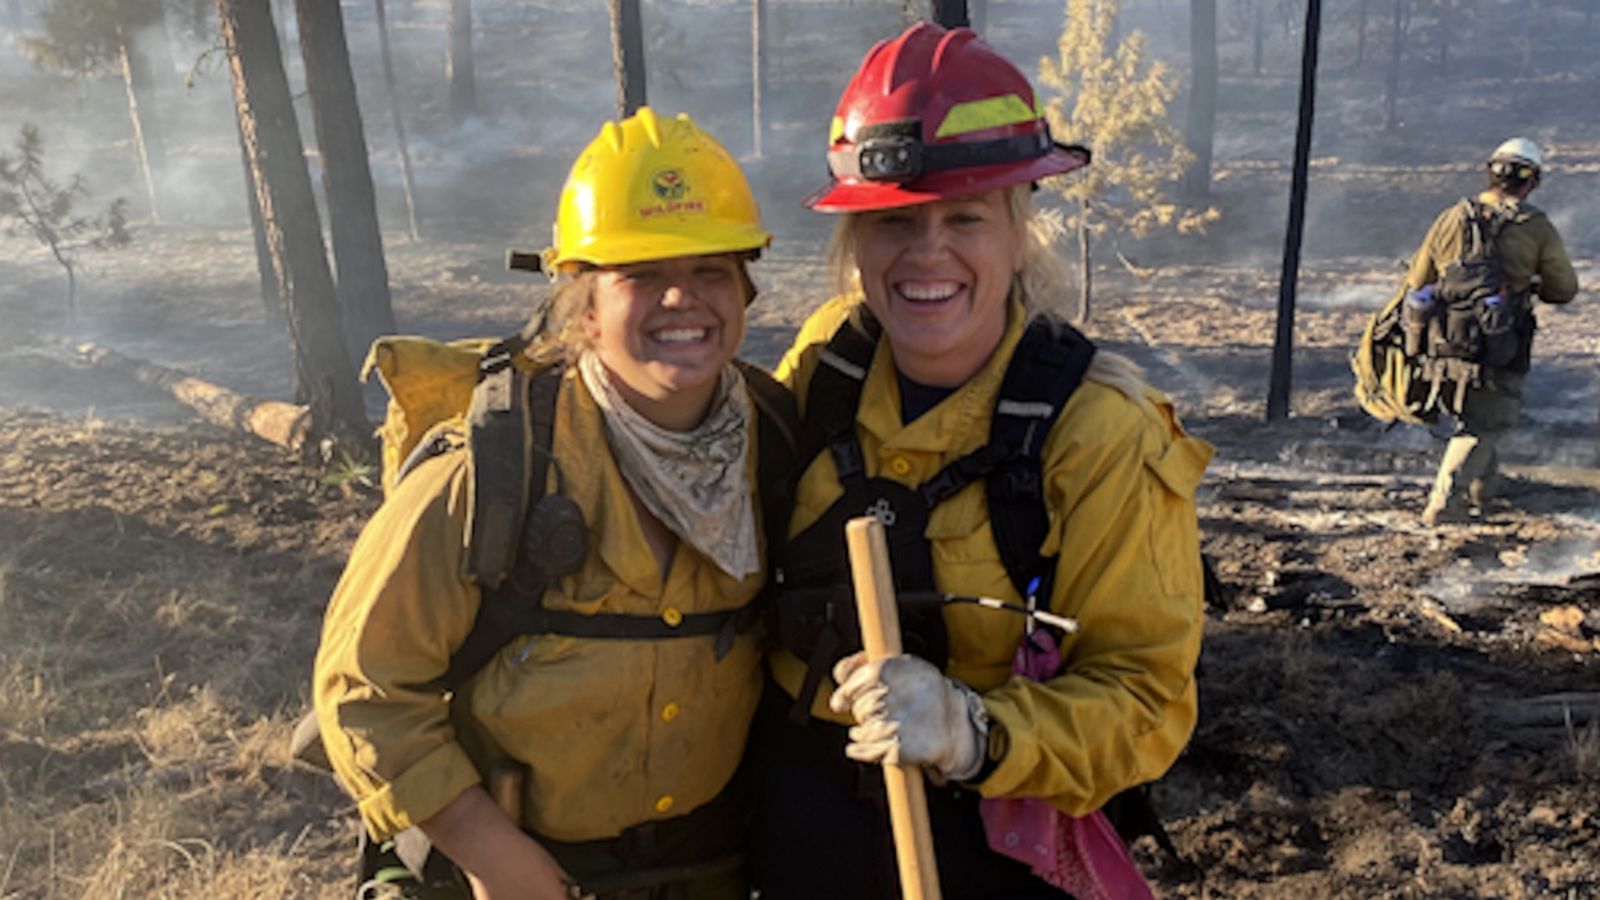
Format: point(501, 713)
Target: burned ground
point(1374, 719)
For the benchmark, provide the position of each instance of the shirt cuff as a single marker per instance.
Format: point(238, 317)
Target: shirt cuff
point(419, 792)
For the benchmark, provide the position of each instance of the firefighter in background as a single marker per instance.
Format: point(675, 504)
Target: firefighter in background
point(632, 739)
point(935, 146)
point(1532, 262)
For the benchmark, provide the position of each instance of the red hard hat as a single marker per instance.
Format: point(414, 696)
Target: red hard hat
point(934, 114)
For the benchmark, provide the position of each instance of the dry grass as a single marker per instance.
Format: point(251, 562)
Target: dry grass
point(1583, 751)
point(149, 675)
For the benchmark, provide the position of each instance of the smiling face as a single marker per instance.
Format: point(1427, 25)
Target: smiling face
point(665, 330)
point(937, 275)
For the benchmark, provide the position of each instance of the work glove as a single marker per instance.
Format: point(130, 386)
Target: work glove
point(907, 712)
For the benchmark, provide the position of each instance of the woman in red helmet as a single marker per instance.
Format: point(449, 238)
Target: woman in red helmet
point(1009, 461)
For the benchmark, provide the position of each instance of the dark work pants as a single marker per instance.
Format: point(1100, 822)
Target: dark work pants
point(822, 825)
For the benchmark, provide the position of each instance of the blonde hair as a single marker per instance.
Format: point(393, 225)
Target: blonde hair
point(1045, 279)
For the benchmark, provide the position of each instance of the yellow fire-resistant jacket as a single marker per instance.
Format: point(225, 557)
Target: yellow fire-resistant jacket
point(616, 732)
point(1119, 486)
point(1526, 248)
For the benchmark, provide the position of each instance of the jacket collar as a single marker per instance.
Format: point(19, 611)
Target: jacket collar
point(958, 423)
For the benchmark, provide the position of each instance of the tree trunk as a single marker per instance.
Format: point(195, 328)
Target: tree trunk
point(459, 68)
point(289, 213)
point(1085, 274)
point(758, 74)
point(1283, 342)
point(281, 423)
point(1361, 33)
point(271, 294)
point(392, 98)
point(951, 13)
point(363, 277)
point(145, 122)
point(1201, 127)
point(141, 139)
point(1391, 83)
point(627, 55)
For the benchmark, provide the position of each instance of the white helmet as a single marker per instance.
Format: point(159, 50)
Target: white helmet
point(1520, 149)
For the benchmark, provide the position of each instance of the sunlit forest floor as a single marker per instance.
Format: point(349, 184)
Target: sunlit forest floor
point(1370, 715)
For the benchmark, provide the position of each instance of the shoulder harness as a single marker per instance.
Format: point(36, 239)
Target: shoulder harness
point(522, 537)
point(815, 613)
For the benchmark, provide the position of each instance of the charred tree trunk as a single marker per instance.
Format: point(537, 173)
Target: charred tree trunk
point(627, 55)
point(363, 276)
point(271, 293)
point(459, 67)
point(392, 98)
point(758, 74)
point(326, 378)
point(1201, 127)
point(951, 13)
point(1085, 274)
point(1283, 342)
point(1391, 83)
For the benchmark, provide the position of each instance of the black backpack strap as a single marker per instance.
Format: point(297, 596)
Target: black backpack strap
point(1047, 367)
point(513, 607)
point(498, 420)
point(777, 452)
point(515, 437)
point(834, 394)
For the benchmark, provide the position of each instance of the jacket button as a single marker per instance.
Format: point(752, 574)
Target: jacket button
point(672, 617)
point(664, 804)
point(669, 712)
point(900, 466)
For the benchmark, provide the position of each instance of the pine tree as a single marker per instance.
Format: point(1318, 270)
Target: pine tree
point(1113, 99)
point(34, 204)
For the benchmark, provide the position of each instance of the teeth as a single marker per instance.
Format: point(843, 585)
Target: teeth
point(680, 335)
point(929, 290)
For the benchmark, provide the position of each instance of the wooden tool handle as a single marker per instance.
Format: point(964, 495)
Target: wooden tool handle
point(880, 634)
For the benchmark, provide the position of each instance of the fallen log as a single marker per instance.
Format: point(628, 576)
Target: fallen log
point(284, 424)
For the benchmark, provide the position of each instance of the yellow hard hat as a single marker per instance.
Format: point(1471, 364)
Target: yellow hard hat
point(652, 188)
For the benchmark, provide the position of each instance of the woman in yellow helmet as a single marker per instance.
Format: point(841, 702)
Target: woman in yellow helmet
point(1011, 463)
point(628, 702)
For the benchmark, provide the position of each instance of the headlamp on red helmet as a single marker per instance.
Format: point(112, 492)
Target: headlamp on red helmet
point(936, 114)
point(894, 152)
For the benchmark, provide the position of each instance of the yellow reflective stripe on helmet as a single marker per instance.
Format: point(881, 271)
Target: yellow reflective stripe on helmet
point(835, 131)
point(990, 112)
